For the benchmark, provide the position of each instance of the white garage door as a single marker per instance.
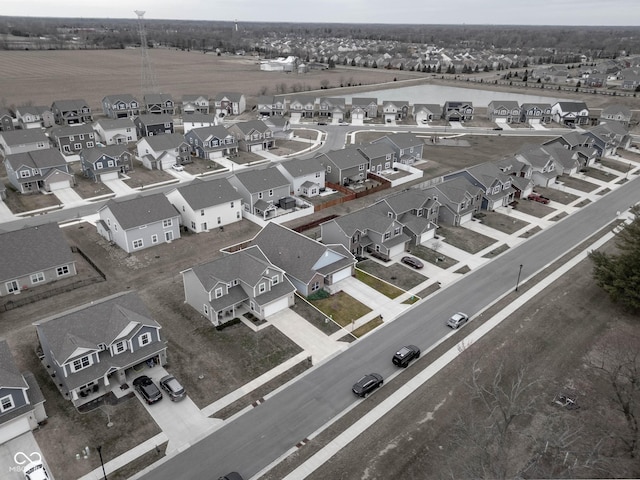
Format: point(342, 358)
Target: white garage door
point(397, 250)
point(59, 185)
point(14, 428)
point(427, 235)
point(109, 176)
point(256, 148)
point(341, 275)
point(276, 306)
point(466, 218)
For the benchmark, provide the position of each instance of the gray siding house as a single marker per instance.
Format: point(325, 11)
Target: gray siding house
point(345, 166)
point(96, 348)
point(533, 113)
point(21, 141)
point(34, 256)
point(106, 163)
point(459, 200)
point(407, 147)
point(39, 170)
point(307, 177)
point(123, 105)
point(159, 104)
point(253, 136)
point(71, 140)
point(139, 223)
point(149, 124)
point(70, 112)
point(211, 142)
point(504, 111)
point(369, 106)
point(261, 190)
point(379, 155)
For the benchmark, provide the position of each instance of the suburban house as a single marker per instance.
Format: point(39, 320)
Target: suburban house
point(71, 139)
point(21, 400)
point(70, 112)
point(630, 78)
point(162, 151)
point(344, 166)
point(332, 107)
point(303, 106)
point(497, 189)
point(608, 137)
point(34, 256)
point(280, 126)
point(426, 112)
point(380, 156)
point(262, 190)
point(3, 191)
point(40, 170)
point(268, 105)
point(407, 147)
point(244, 280)
point(366, 230)
point(253, 136)
point(570, 113)
point(205, 205)
point(139, 223)
point(521, 173)
point(577, 142)
point(106, 163)
point(535, 113)
point(211, 142)
point(416, 210)
point(567, 162)
point(21, 141)
point(117, 131)
point(369, 106)
point(198, 120)
point(457, 111)
point(149, 124)
point(95, 349)
point(195, 104)
point(229, 104)
point(459, 200)
point(616, 113)
point(395, 110)
point(120, 106)
point(159, 104)
point(504, 111)
point(307, 263)
point(543, 166)
point(34, 117)
point(6, 120)
point(307, 177)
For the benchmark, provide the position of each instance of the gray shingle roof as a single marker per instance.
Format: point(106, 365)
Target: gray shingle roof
point(29, 135)
point(206, 133)
point(262, 179)
point(47, 158)
point(141, 210)
point(32, 250)
point(249, 126)
point(404, 140)
point(69, 130)
point(200, 194)
point(457, 189)
point(154, 118)
point(166, 141)
point(369, 218)
point(73, 104)
point(298, 167)
point(113, 151)
point(120, 97)
point(376, 150)
point(115, 123)
point(10, 376)
point(346, 158)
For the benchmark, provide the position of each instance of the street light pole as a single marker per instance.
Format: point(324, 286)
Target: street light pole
point(104, 473)
point(518, 281)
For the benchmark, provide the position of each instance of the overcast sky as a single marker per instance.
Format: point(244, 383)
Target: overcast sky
point(500, 12)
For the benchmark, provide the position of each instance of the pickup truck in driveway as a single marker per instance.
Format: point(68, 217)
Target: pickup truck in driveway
point(536, 197)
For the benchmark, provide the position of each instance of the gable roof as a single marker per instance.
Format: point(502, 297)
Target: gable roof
point(114, 123)
point(70, 130)
point(345, 158)
point(120, 97)
point(457, 189)
point(113, 151)
point(154, 118)
point(508, 104)
point(298, 167)
point(202, 194)
point(213, 131)
point(231, 96)
point(74, 104)
point(403, 140)
point(47, 158)
point(20, 137)
point(32, 250)
point(141, 210)
point(363, 101)
point(10, 376)
point(165, 141)
point(376, 150)
point(247, 127)
point(262, 179)
point(368, 218)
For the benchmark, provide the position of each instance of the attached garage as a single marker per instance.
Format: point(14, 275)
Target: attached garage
point(397, 250)
point(255, 148)
point(108, 176)
point(277, 305)
point(340, 275)
point(467, 217)
point(59, 185)
point(14, 428)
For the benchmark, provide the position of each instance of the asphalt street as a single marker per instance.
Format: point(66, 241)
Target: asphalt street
point(263, 434)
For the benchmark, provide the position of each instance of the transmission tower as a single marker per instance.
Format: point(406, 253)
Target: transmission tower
point(148, 82)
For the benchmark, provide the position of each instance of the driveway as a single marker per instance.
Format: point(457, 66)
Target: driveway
point(68, 197)
point(118, 187)
point(5, 213)
point(11, 458)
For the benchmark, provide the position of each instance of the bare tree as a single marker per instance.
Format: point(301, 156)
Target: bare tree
point(324, 83)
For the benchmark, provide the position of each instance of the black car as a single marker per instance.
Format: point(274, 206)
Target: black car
point(147, 389)
point(367, 384)
point(173, 388)
point(231, 476)
point(407, 353)
point(412, 262)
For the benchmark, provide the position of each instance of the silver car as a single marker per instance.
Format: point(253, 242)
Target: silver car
point(173, 388)
point(457, 320)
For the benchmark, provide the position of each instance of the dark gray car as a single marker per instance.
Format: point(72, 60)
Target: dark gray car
point(367, 384)
point(173, 388)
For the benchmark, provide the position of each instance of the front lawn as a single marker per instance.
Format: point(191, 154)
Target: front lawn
point(465, 239)
point(342, 308)
point(377, 284)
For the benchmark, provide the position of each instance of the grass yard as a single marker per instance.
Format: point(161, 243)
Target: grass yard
point(429, 255)
point(502, 222)
point(557, 194)
point(465, 239)
point(599, 174)
point(315, 317)
point(577, 184)
point(402, 277)
point(377, 284)
point(342, 308)
point(367, 327)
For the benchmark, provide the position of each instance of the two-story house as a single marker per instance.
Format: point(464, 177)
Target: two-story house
point(497, 189)
point(269, 105)
point(195, 103)
point(521, 174)
point(148, 124)
point(302, 106)
point(117, 131)
point(253, 136)
point(426, 112)
point(40, 170)
point(408, 148)
point(123, 105)
point(567, 162)
point(457, 111)
point(32, 257)
point(160, 152)
point(139, 223)
point(543, 166)
point(504, 111)
point(70, 140)
point(6, 120)
point(70, 112)
point(241, 281)
point(307, 177)
point(205, 205)
point(344, 166)
point(395, 110)
point(229, 103)
point(21, 141)
point(367, 105)
point(211, 142)
point(459, 200)
point(535, 113)
point(106, 163)
point(609, 137)
point(159, 104)
point(380, 156)
point(261, 190)
point(617, 113)
point(21, 400)
point(332, 107)
point(29, 116)
point(570, 113)
point(97, 348)
point(198, 120)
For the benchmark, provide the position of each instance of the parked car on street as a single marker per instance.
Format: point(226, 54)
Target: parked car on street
point(407, 353)
point(147, 389)
point(173, 388)
point(412, 262)
point(536, 197)
point(231, 476)
point(367, 384)
point(177, 167)
point(457, 320)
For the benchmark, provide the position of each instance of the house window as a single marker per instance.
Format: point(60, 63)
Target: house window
point(232, 204)
point(396, 231)
point(63, 270)
point(144, 339)
point(238, 215)
point(218, 292)
point(120, 347)
point(168, 236)
point(167, 223)
point(274, 280)
point(328, 168)
point(260, 195)
point(109, 163)
point(262, 288)
point(25, 173)
point(361, 167)
point(12, 286)
point(71, 138)
point(219, 220)
point(89, 144)
point(77, 146)
point(317, 174)
point(202, 213)
point(138, 243)
point(81, 136)
point(6, 403)
point(99, 166)
point(154, 238)
point(37, 277)
point(387, 235)
point(315, 286)
point(80, 363)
